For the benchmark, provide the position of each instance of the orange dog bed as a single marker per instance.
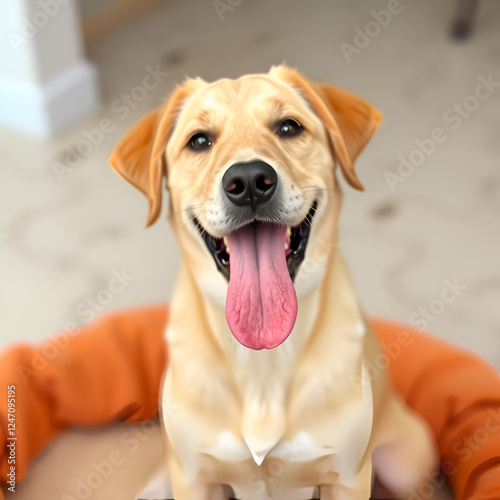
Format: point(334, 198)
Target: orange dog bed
point(111, 371)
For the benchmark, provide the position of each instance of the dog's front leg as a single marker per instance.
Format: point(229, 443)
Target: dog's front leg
point(183, 487)
point(357, 489)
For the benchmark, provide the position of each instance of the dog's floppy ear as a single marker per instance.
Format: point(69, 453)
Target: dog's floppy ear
point(139, 157)
point(349, 119)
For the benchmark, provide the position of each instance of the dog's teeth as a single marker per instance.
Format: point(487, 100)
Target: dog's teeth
point(288, 231)
point(287, 245)
point(226, 244)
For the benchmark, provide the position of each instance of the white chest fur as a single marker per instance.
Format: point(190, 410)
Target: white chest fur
point(340, 439)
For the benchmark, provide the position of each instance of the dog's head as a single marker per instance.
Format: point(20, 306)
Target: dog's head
point(254, 199)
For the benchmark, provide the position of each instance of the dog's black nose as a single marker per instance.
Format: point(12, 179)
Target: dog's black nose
point(250, 184)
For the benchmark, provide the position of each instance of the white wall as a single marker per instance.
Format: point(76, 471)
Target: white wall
point(45, 81)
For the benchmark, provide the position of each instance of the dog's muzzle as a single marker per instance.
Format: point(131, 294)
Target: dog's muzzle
point(259, 257)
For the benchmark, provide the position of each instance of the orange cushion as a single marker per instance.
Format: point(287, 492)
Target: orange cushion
point(111, 371)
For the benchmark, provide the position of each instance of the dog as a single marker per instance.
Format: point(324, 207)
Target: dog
point(267, 394)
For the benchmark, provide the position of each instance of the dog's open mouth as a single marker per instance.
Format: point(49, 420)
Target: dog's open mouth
point(260, 260)
point(294, 246)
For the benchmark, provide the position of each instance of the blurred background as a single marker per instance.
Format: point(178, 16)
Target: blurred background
point(422, 241)
point(76, 75)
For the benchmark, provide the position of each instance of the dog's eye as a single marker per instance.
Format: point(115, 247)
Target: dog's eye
point(199, 142)
point(289, 128)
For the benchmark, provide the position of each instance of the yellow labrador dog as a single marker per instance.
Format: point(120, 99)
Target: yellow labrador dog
point(267, 393)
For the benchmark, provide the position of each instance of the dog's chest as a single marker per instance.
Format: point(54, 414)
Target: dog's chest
point(286, 473)
point(301, 448)
point(266, 428)
point(292, 466)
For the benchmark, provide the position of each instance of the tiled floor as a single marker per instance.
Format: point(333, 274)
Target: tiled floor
point(65, 231)
point(63, 234)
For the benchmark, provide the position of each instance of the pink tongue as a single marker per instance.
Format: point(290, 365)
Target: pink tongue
point(261, 304)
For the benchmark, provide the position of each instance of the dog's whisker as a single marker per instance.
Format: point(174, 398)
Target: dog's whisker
point(309, 189)
point(306, 197)
point(187, 209)
point(196, 216)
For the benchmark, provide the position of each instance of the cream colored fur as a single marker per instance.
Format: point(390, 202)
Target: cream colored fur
point(303, 419)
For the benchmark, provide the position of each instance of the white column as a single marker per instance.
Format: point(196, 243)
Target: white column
point(45, 81)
